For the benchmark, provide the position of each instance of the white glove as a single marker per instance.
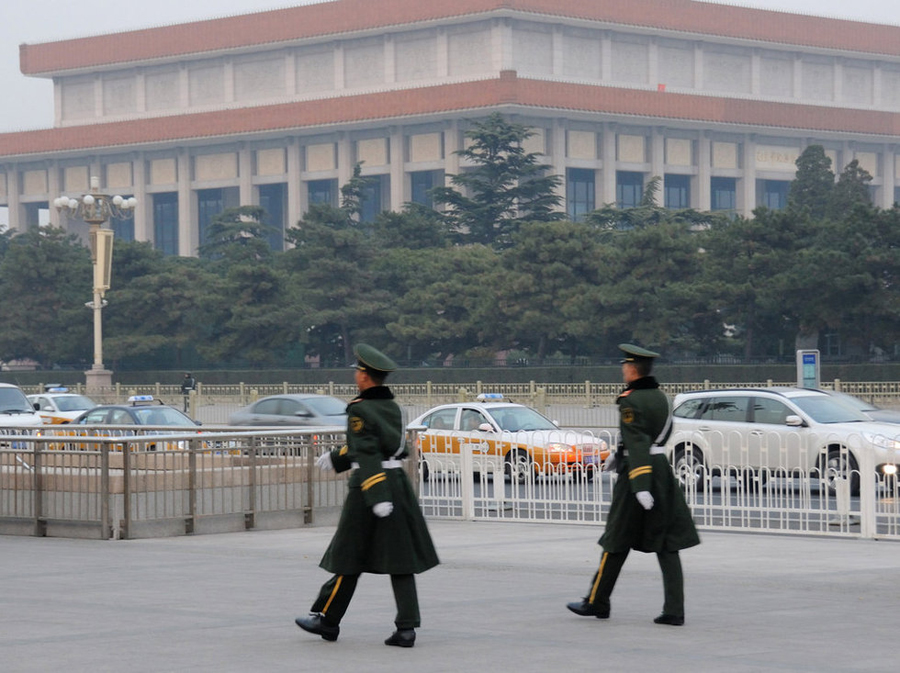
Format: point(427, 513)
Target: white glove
point(609, 465)
point(324, 463)
point(645, 498)
point(383, 509)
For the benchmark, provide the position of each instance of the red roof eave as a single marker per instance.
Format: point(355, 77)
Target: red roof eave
point(347, 16)
point(508, 90)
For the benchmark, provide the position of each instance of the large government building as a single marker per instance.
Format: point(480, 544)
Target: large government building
point(275, 108)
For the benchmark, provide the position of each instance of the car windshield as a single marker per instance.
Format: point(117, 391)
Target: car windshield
point(824, 409)
point(855, 402)
point(162, 416)
point(13, 400)
point(514, 419)
point(326, 406)
point(75, 403)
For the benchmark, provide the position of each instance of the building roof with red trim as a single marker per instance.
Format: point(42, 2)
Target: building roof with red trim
point(350, 16)
point(508, 90)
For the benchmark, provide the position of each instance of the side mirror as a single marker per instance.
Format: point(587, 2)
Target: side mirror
point(485, 427)
point(793, 421)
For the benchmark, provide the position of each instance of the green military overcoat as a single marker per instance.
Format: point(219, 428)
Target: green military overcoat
point(400, 543)
point(668, 526)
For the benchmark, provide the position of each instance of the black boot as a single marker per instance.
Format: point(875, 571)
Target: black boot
point(402, 638)
point(583, 608)
point(315, 623)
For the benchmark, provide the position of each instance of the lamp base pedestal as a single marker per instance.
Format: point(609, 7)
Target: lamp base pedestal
point(96, 379)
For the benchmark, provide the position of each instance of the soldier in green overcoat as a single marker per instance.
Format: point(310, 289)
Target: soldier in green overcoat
point(381, 529)
point(648, 511)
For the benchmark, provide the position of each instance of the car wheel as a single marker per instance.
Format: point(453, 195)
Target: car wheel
point(423, 470)
point(517, 466)
point(839, 463)
point(687, 462)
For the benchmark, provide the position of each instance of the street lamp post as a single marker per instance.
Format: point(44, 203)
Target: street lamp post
point(95, 209)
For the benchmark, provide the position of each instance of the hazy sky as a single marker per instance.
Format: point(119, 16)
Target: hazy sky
point(27, 102)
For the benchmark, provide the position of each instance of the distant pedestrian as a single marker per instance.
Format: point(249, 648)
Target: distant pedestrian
point(648, 511)
point(381, 529)
point(188, 383)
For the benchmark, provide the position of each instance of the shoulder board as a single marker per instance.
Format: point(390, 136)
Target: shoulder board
point(626, 393)
point(355, 400)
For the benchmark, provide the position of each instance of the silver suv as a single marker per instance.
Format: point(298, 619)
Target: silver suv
point(757, 433)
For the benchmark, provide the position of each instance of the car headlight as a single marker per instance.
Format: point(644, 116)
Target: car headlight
point(558, 447)
point(882, 442)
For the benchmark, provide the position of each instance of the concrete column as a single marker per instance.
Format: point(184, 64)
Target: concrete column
point(143, 212)
point(13, 198)
point(188, 232)
point(658, 162)
point(297, 202)
point(345, 160)
point(703, 188)
point(557, 159)
point(888, 177)
point(443, 54)
point(747, 193)
point(607, 188)
point(245, 176)
point(398, 175)
point(54, 189)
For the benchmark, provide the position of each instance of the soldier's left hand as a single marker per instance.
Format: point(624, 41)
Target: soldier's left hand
point(324, 463)
point(645, 498)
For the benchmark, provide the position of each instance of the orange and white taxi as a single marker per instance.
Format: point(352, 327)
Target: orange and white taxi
point(504, 436)
point(57, 406)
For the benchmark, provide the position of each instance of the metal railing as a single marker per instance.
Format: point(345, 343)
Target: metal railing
point(466, 484)
point(113, 482)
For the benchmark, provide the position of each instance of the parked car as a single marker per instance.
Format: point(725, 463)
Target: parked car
point(57, 406)
point(507, 436)
point(293, 409)
point(756, 433)
point(140, 410)
point(15, 412)
point(870, 410)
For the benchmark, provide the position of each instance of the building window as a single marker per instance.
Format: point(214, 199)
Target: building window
point(421, 183)
point(272, 199)
point(323, 191)
point(372, 197)
point(37, 214)
point(123, 230)
point(580, 198)
point(165, 222)
point(210, 203)
point(723, 194)
point(629, 189)
point(774, 194)
point(677, 190)
point(896, 195)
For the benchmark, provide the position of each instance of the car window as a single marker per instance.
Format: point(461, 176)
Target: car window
point(267, 407)
point(95, 416)
point(442, 419)
point(327, 406)
point(290, 408)
point(74, 403)
point(824, 409)
point(689, 408)
point(516, 418)
point(44, 404)
point(727, 408)
point(766, 410)
point(120, 417)
point(13, 399)
point(471, 419)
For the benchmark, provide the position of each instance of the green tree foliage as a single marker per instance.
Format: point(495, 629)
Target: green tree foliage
point(814, 183)
point(46, 277)
point(505, 186)
point(852, 189)
point(237, 235)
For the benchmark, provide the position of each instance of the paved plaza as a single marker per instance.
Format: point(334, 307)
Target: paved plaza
point(227, 602)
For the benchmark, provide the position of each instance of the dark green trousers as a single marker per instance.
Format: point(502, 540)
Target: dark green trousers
point(334, 599)
point(611, 564)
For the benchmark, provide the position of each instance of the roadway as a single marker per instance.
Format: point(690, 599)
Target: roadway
point(227, 603)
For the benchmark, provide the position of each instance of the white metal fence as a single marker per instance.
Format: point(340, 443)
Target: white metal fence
point(115, 483)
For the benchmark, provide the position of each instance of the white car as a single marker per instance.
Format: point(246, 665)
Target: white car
point(504, 436)
point(16, 413)
point(769, 432)
point(58, 406)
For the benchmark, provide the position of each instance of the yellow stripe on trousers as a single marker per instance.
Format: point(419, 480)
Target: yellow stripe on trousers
point(337, 586)
point(597, 581)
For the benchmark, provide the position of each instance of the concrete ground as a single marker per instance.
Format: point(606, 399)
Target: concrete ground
point(227, 602)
